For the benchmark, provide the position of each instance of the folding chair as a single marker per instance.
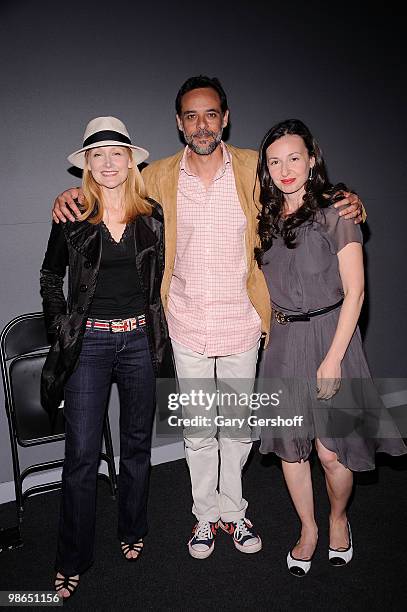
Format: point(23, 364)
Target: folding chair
point(23, 350)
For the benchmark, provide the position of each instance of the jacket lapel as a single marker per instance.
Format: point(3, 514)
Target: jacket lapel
point(85, 238)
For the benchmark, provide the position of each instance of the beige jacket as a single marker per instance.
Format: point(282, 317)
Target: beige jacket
point(161, 180)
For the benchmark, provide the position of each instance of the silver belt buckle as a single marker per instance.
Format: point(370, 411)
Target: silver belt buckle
point(114, 326)
point(280, 318)
point(125, 324)
point(130, 324)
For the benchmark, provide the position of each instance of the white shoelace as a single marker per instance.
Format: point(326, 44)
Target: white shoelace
point(242, 530)
point(203, 531)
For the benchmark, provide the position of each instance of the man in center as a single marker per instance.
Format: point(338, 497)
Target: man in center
point(215, 297)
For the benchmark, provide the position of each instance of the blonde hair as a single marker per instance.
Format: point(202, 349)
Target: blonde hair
point(135, 194)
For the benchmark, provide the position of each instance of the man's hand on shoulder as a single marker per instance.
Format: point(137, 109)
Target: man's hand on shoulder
point(351, 207)
point(65, 209)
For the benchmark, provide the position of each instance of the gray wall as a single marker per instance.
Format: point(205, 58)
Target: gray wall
point(339, 69)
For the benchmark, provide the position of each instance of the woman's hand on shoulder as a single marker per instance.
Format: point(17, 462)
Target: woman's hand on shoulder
point(329, 376)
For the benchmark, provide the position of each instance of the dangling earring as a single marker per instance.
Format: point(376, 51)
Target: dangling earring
point(310, 173)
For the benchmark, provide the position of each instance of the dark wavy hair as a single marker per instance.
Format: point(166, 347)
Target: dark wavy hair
point(319, 192)
point(201, 82)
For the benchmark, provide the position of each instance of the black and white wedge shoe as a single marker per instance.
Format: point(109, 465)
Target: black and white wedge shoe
point(298, 567)
point(341, 556)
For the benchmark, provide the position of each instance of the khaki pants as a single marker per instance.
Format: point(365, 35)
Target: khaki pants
point(217, 489)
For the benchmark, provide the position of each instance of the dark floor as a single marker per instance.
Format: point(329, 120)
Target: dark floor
point(167, 578)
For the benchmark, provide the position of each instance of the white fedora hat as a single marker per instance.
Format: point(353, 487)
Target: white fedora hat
point(104, 132)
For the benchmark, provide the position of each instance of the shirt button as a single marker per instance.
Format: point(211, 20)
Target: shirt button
point(80, 309)
point(83, 288)
point(87, 264)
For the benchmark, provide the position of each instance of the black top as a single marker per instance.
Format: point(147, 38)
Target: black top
point(77, 246)
point(118, 293)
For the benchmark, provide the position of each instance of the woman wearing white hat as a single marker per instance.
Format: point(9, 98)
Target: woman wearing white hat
point(111, 327)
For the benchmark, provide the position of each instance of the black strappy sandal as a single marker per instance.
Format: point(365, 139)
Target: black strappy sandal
point(138, 547)
point(68, 583)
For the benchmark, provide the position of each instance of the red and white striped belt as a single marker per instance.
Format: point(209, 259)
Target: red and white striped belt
point(116, 325)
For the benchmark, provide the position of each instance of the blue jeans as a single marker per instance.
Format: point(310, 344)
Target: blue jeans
point(105, 357)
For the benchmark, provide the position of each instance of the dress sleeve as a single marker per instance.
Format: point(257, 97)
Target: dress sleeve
point(339, 231)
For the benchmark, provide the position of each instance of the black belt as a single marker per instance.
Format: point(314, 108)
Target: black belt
point(283, 318)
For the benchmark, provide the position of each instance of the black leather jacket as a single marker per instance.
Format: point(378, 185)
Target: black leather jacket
point(79, 246)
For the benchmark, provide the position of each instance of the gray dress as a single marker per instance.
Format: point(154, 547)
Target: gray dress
point(354, 423)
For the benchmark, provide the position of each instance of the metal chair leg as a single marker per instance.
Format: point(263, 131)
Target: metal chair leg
point(18, 483)
point(110, 454)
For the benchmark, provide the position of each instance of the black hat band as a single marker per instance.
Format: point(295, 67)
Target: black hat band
point(106, 135)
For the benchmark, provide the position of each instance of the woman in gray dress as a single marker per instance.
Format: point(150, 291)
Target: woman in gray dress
point(313, 263)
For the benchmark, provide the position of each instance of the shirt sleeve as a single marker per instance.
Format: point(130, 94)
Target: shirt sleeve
point(340, 231)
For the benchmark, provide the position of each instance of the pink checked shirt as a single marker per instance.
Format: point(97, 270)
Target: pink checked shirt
point(208, 307)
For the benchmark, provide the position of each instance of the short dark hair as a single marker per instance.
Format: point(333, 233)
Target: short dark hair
point(201, 82)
